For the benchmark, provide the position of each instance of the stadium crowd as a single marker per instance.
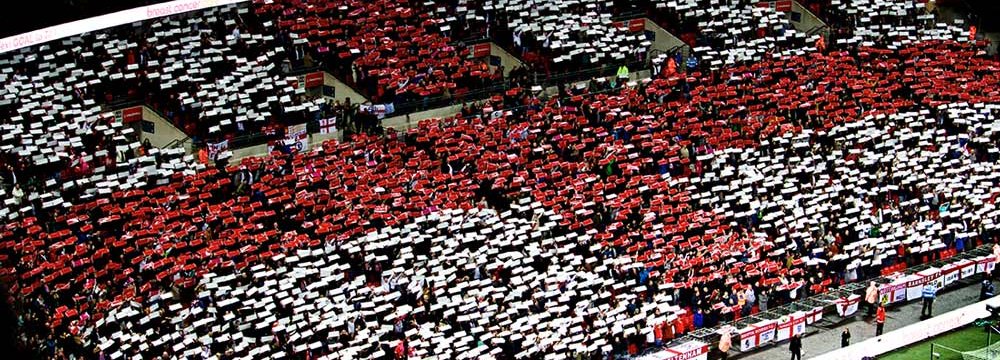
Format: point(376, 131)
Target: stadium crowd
point(730, 33)
point(602, 221)
point(394, 52)
point(213, 74)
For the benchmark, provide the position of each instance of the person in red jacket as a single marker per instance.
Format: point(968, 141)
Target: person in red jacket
point(879, 319)
point(658, 334)
point(667, 330)
point(671, 68)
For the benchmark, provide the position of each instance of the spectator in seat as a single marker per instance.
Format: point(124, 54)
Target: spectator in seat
point(764, 296)
point(699, 319)
point(18, 194)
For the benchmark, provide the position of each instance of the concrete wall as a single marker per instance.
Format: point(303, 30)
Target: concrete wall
point(808, 20)
point(315, 141)
point(664, 40)
point(341, 90)
point(404, 122)
point(239, 154)
point(994, 42)
point(508, 60)
point(318, 139)
point(633, 75)
point(164, 132)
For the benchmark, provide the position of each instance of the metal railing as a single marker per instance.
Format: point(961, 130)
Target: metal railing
point(818, 29)
point(257, 138)
point(177, 143)
point(299, 70)
point(678, 48)
point(540, 77)
point(605, 70)
point(433, 102)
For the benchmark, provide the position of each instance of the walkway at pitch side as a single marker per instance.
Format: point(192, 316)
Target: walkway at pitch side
point(862, 327)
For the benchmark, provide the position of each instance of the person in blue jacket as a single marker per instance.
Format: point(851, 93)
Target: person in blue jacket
point(929, 292)
point(692, 63)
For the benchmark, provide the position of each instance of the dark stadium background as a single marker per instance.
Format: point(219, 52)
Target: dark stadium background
point(24, 16)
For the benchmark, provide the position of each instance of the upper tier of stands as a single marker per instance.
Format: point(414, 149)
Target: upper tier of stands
point(394, 52)
point(732, 32)
point(210, 73)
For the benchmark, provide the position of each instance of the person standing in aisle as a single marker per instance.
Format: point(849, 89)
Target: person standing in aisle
point(987, 290)
point(879, 319)
point(871, 297)
point(795, 346)
point(929, 292)
point(725, 342)
point(845, 338)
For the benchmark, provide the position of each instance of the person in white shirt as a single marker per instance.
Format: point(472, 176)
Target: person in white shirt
point(517, 41)
point(18, 194)
point(871, 296)
point(996, 250)
point(751, 298)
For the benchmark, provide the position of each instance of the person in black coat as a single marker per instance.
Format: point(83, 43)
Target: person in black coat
point(987, 290)
point(845, 338)
point(795, 346)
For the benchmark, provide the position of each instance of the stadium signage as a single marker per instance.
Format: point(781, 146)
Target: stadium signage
point(791, 325)
point(692, 350)
point(914, 287)
point(757, 335)
point(914, 332)
point(908, 288)
point(296, 138)
point(968, 268)
point(893, 292)
point(780, 5)
point(216, 150)
point(814, 315)
point(950, 273)
point(986, 264)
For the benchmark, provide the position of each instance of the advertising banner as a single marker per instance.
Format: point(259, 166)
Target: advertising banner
point(757, 334)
